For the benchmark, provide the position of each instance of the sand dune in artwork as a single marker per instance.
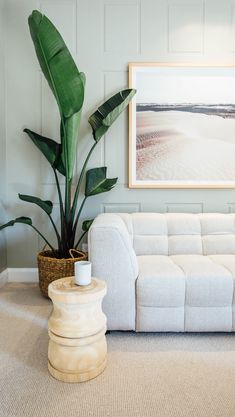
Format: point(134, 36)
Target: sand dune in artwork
point(178, 146)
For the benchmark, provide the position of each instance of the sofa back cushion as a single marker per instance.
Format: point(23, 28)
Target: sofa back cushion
point(150, 234)
point(218, 233)
point(181, 233)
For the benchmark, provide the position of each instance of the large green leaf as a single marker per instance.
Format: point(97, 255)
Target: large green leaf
point(86, 225)
point(70, 130)
point(69, 145)
point(57, 64)
point(24, 220)
point(96, 181)
point(50, 149)
point(106, 114)
point(65, 80)
point(45, 205)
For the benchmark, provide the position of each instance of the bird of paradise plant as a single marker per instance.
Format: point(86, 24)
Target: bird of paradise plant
point(67, 84)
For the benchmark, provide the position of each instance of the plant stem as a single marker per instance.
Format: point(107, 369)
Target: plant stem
point(62, 227)
point(67, 199)
point(56, 231)
point(78, 215)
point(79, 240)
point(68, 182)
point(75, 200)
point(59, 194)
point(43, 237)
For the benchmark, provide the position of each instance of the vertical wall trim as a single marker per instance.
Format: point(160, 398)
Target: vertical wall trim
point(168, 29)
point(104, 25)
point(76, 27)
point(139, 8)
point(203, 25)
point(232, 22)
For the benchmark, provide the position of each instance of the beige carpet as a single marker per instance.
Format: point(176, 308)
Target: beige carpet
point(148, 375)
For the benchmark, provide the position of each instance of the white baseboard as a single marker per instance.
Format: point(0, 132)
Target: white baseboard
point(3, 277)
point(22, 274)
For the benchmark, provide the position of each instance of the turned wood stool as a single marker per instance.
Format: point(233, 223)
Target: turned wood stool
point(77, 347)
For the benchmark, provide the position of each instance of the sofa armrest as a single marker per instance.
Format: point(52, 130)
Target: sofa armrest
point(114, 260)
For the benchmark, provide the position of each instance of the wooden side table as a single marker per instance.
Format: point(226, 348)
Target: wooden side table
point(77, 347)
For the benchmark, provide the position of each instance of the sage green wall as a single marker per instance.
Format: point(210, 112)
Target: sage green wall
point(3, 252)
point(103, 35)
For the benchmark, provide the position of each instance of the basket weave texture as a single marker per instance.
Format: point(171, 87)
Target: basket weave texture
point(51, 268)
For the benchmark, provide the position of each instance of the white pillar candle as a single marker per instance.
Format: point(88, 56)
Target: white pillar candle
point(82, 273)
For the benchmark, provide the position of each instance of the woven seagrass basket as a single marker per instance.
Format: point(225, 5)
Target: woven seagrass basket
point(51, 268)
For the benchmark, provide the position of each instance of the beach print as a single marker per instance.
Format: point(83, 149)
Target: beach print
point(184, 129)
point(185, 142)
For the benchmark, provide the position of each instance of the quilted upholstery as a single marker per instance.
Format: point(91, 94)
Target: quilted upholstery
point(180, 233)
point(184, 271)
point(161, 293)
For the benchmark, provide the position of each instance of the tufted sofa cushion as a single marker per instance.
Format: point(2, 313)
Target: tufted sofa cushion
point(178, 273)
point(181, 233)
point(160, 287)
point(186, 271)
point(167, 284)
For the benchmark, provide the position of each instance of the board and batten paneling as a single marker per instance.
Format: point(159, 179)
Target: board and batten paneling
point(104, 36)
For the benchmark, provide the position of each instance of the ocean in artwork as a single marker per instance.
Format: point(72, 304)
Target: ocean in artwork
point(185, 142)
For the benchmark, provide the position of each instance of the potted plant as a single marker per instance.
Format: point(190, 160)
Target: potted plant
point(67, 84)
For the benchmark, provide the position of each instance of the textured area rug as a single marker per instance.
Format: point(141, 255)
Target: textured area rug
point(147, 375)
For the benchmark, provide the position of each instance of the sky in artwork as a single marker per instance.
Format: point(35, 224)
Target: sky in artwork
point(210, 85)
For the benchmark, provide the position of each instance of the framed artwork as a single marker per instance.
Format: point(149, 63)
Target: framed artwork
point(182, 126)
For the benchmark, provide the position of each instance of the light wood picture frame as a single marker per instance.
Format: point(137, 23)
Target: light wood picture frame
point(182, 126)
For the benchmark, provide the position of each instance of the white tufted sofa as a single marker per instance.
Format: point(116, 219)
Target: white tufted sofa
point(166, 272)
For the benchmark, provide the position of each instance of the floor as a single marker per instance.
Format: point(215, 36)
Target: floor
point(148, 375)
